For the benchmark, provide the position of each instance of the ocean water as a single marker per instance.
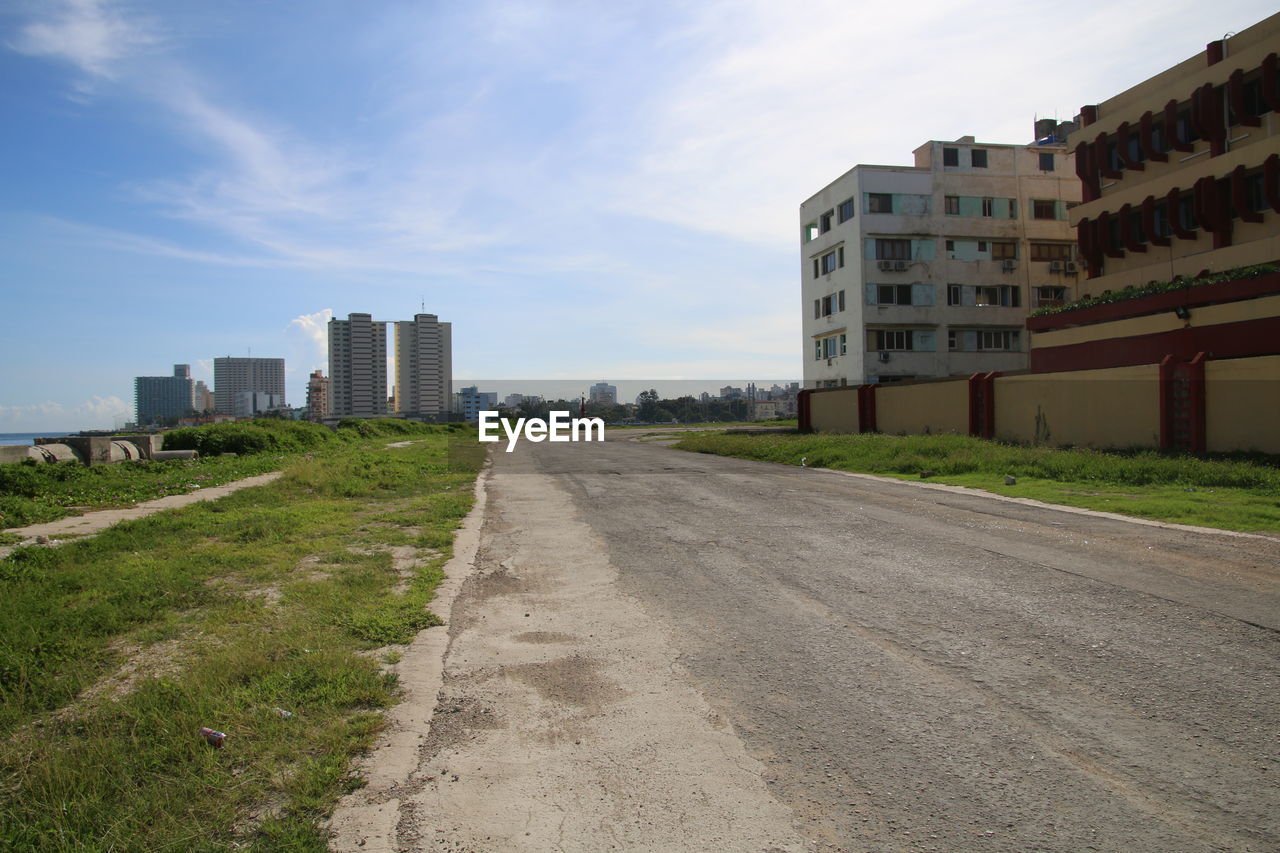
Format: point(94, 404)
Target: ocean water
point(28, 437)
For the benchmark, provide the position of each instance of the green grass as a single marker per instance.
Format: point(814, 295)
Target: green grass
point(115, 649)
point(1230, 492)
point(33, 492)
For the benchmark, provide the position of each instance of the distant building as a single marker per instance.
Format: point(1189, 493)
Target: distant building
point(470, 401)
point(317, 396)
point(232, 377)
point(424, 367)
point(248, 404)
point(157, 398)
point(202, 398)
point(604, 394)
point(513, 401)
point(357, 367)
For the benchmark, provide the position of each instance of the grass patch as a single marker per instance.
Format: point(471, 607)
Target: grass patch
point(1233, 492)
point(116, 649)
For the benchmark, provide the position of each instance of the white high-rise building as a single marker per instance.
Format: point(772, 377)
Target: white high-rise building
point(424, 367)
point(357, 367)
point(929, 270)
point(603, 393)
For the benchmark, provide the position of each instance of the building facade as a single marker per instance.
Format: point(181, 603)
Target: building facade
point(1181, 173)
point(357, 367)
point(158, 398)
point(232, 377)
point(424, 367)
point(469, 402)
point(603, 393)
point(911, 272)
point(317, 396)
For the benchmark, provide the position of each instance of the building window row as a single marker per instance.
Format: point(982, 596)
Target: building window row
point(984, 295)
point(842, 213)
point(984, 340)
point(977, 157)
point(1207, 114)
point(906, 204)
point(1211, 205)
point(828, 262)
point(979, 206)
point(899, 294)
point(830, 346)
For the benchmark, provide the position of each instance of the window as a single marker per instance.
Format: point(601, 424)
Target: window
point(984, 295)
point(893, 339)
point(1186, 212)
point(978, 157)
point(1050, 295)
point(1002, 251)
point(824, 222)
point(829, 347)
point(951, 245)
point(1044, 208)
point(951, 205)
point(831, 261)
point(893, 294)
point(982, 245)
point(809, 231)
point(1052, 251)
point(954, 294)
point(845, 211)
point(988, 207)
point(951, 156)
point(1046, 162)
point(982, 340)
point(893, 250)
point(828, 305)
point(1004, 340)
point(880, 202)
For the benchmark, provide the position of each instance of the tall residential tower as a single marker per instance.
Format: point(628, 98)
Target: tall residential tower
point(424, 367)
point(357, 367)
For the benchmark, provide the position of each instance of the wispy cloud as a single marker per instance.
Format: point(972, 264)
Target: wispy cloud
point(94, 35)
point(94, 413)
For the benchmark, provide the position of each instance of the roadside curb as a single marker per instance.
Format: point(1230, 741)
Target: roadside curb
point(366, 820)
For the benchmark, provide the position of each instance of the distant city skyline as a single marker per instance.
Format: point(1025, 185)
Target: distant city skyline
point(612, 192)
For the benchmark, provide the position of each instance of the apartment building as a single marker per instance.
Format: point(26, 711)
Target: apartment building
point(1181, 173)
point(424, 367)
point(929, 270)
point(357, 367)
point(158, 398)
point(317, 396)
point(242, 385)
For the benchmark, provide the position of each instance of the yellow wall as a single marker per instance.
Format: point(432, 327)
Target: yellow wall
point(834, 411)
point(1166, 321)
point(1115, 407)
point(1242, 402)
point(927, 408)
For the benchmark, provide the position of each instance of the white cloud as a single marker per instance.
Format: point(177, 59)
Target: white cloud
point(94, 35)
point(94, 413)
point(309, 340)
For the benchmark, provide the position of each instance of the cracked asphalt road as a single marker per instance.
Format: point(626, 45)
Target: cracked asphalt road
point(667, 651)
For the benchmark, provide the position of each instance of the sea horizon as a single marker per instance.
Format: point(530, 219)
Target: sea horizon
point(29, 437)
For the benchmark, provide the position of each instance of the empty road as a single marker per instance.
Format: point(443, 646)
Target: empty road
point(659, 650)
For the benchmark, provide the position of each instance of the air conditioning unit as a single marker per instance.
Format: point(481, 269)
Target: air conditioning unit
point(900, 266)
point(885, 266)
point(884, 356)
point(1008, 266)
point(1071, 266)
point(1055, 266)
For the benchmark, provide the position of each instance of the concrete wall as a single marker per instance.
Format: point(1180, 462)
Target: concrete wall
point(925, 408)
point(835, 410)
point(1116, 407)
point(1242, 402)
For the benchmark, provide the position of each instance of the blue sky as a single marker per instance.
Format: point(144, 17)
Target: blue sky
point(584, 189)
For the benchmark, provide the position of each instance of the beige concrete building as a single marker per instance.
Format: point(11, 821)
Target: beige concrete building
point(357, 367)
point(424, 367)
point(1181, 173)
point(317, 396)
point(929, 270)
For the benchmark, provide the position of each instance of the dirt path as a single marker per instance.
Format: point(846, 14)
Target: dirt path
point(563, 721)
point(99, 520)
